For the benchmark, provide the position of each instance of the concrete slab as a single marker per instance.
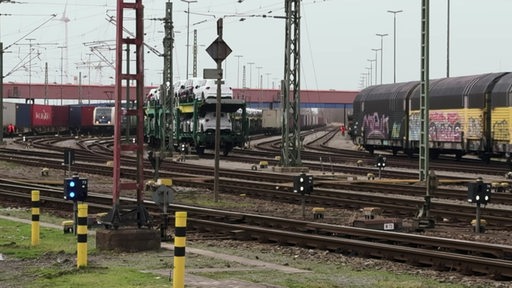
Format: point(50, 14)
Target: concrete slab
point(128, 239)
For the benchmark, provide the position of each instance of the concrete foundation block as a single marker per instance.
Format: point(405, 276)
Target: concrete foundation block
point(128, 239)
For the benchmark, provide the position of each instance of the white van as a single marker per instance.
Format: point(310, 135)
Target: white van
point(208, 122)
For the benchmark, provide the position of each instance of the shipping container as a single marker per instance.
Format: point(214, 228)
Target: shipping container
point(271, 118)
point(81, 117)
point(42, 116)
point(23, 117)
point(9, 114)
point(87, 119)
point(60, 117)
point(75, 116)
point(271, 121)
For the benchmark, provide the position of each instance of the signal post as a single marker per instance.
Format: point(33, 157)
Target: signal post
point(218, 50)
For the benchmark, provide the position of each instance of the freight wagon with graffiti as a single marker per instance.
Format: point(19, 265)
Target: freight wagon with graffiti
point(467, 115)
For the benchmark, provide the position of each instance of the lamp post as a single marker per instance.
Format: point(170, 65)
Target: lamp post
point(238, 71)
point(371, 70)
point(394, 40)
point(369, 78)
point(259, 77)
point(363, 80)
point(448, 41)
point(250, 73)
point(376, 50)
point(381, 53)
point(188, 29)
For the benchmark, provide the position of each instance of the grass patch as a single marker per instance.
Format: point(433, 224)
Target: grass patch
point(26, 213)
point(104, 277)
point(53, 264)
point(15, 240)
point(332, 278)
point(326, 274)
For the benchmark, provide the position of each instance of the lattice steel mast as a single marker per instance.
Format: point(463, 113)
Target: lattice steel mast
point(424, 175)
point(290, 88)
point(135, 144)
point(167, 89)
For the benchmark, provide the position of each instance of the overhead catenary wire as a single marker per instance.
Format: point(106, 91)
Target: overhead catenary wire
point(30, 32)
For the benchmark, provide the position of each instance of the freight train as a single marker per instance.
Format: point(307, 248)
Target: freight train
point(194, 124)
point(30, 119)
point(467, 115)
point(104, 116)
point(269, 121)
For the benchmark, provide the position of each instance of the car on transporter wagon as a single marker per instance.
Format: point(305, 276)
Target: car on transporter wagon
point(207, 88)
point(185, 92)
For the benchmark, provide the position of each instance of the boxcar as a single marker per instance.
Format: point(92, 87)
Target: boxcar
point(468, 114)
point(501, 116)
point(379, 119)
point(456, 115)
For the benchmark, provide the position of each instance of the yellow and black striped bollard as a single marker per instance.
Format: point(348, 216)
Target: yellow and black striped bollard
point(179, 250)
point(81, 236)
point(36, 203)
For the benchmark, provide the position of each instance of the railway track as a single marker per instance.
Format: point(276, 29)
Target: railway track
point(319, 150)
point(306, 234)
point(444, 163)
point(443, 254)
point(329, 192)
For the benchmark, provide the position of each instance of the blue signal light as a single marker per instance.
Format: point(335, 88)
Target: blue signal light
point(75, 189)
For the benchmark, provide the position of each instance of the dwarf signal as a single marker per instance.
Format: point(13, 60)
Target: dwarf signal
point(75, 188)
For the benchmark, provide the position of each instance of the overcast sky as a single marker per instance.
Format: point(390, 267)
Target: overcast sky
point(337, 38)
